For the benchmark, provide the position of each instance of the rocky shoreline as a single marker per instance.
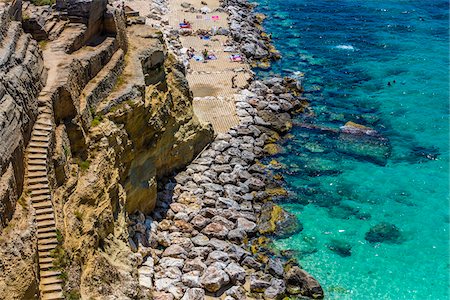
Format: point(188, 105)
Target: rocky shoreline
point(208, 235)
point(208, 232)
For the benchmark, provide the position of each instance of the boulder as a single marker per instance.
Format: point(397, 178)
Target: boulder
point(236, 272)
point(299, 282)
point(275, 220)
point(215, 230)
point(281, 123)
point(214, 279)
point(194, 294)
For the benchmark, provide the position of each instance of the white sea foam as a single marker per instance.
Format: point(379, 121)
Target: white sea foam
point(345, 47)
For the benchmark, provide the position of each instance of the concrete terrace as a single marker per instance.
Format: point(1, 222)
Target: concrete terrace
point(210, 82)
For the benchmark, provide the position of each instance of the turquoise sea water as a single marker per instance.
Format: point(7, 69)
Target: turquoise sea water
point(348, 51)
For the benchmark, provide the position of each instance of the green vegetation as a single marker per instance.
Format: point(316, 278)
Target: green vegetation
point(43, 44)
point(72, 295)
point(96, 121)
point(23, 202)
point(43, 2)
point(66, 151)
point(78, 215)
point(25, 17)
point(83, 164)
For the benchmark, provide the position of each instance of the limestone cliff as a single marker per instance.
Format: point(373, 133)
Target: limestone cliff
point(122, 119)
point(140, 133)
point(22, 77)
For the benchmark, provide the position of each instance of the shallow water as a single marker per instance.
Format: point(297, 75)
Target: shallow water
point(348, 51)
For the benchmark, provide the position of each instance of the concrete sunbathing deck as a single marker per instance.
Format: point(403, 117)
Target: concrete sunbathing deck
point(211, 82)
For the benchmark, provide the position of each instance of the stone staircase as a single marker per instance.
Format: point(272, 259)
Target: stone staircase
point(39, 190)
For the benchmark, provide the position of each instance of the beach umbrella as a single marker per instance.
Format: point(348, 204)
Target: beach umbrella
point(205, 9)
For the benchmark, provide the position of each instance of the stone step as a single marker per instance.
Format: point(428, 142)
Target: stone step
point(46, 247)
point(37, 168)
point(37, 132)
point(40, 199)
point(36, 174)
point(37, 180)
point(57, 29)
point(50, 280)
point(46, 266)
point(46, 274)
point(40, 192)
point(38, 144)
point(101, 85)
point(49, 25)
point(46, 223)
point(46, 217)
point(46, 260)
point(52, 296)
point(43, 205)
point(34, 161)
point(40, 138)
point(43, 211)
point(44, 121)
point(46, 229)
point(46, 235)
point(49, 241)
point(37, 150)
point(37, 186)
point(51, 288)
point(44, 254)
point(43, 127)
point(37, 156)
point(45, 109)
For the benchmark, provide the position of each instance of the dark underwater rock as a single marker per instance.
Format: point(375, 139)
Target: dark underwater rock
point(340, 247)
point(384, 233)
point(364, 143)
point(421, 153)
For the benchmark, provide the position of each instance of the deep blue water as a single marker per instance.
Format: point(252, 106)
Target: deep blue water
point(347, 51)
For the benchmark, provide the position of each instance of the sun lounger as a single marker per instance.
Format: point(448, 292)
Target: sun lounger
point(236, 57)
point(185, 25)
point(198, 58)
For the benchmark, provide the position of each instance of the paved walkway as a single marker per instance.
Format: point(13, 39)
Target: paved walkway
point(211, 82)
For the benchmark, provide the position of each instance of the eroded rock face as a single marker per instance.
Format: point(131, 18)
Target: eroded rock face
point(22, 77)
point(144, 133)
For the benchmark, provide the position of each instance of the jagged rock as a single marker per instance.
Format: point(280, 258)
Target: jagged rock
point(246, 225)
point(214, 279)
point(275, 220)
point(276, 289)
point(275, 267)
point(175, 251)
point(192, 279)
point(195, 264)
point(215, 230)
point(194, 294)
point(200, 240)
point(236, 272)
point(300, 282)
point(258, 284)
